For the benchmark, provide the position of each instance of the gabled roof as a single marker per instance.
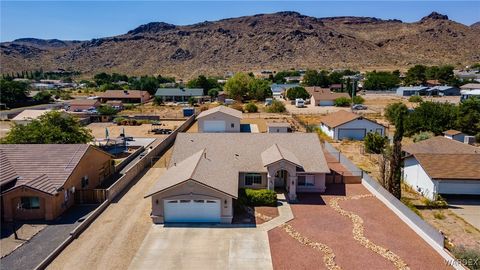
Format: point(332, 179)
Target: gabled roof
point(452, 132)
point(191, 169)
point(29, 115)
point(122, 94)
point(44, 167)
point(412, 88)
point(470, 86)
point(222, 109)
point(440, 145)
point(195, 92)
point(7, 172)
point(277, 153)
point(451, 166)
point(341, 117)
point(319, 93)
point(83, 102)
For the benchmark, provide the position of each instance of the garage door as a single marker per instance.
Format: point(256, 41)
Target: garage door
point(459, 187)
point(354, 134)
point(192, 210)
point(214, 126)
point(325, 103)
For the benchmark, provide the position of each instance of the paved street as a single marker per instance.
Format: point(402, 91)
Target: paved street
point(466, 208)
point(30, 254)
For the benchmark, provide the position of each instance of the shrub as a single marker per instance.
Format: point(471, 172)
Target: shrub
point(276, 107)
point(251, 107)
point(258, 197)
point(422, 136)
point(374, 142)
point(106, 110)
point(358, 100)
point(415, 99)
point(469, 257)
point(438, 215)
point(297, 92)
point(342, 102)
point(439, 203)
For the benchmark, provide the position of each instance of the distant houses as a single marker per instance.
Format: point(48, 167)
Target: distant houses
point(80, 105)
point(26, 116)
point(278, 90)
point(323, 96)
point(178, 94)
point(437, 90)
point(470, 86)
point(466, 94)
point(125, 96)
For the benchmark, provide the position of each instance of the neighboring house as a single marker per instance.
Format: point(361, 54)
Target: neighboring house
point(207, 170)
point(470, 86)
point(26, 116)
point(39, 181)
point(79, 105)
point(278, 90)
point(406, 91)
point(347, 125)
point(439, 166)
point(335, 87)
point(443, 91)
point(222, 96)
point(278, 127)
point(466, 94)
point(323, 96)
point(126, 96)
point(116, 104)
point(432, 83)
point(454, 135)
point(178, 94)
point(219, 119)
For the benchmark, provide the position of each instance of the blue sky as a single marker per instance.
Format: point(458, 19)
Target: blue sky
point(83, 20)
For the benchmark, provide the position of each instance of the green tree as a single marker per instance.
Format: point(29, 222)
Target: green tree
point(315, 78)
point(204, 83)
point(259, 89)
point(276, 107)
point(416, 75)
point(421, 136)
point(43, 97)
point(107, 110)
point(394, 110)
point(192, 101)
point(102, 78)
point(297, 92)
point(280, 76)
point(381, 80)
point(237, 86)
point(251, 107)
point(394, 181)
point(342, 102)
point(12, 92)
point(468, 120)
point(53, 127)
point(374, 142)
point(358, 100)
point(431, 116)
point(213, 93)
point(415, 98)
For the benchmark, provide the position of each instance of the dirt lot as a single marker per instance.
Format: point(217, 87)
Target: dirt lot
point(113, 239)
point(319, 222)
point(151, 109)
point(142, 131)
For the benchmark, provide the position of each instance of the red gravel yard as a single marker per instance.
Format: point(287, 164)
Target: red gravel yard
point(317, 220)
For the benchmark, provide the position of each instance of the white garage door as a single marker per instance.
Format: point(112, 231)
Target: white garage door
point(214, 126)
point(459, 187)
point(191, 210)
point(326, 103)
point(350, 133)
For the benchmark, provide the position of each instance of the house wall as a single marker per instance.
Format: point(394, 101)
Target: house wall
point(95, 164)
point(327, 130)
point(369, 126)
point(220, 116)
point(459, 137)
point(191, 190)
point(415, 176)
point(319, 184)
point(241, 181)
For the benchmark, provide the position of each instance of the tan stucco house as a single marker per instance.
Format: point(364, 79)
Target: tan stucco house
point(39, 181)
point(207, 170)
point(219, 119)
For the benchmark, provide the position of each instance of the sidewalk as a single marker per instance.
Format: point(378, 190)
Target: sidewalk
point(285, 214)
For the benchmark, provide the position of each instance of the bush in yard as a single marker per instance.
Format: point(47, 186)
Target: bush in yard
point(392, 111)
point(374, 142)
point(106, 110)
point(276, 107)
point(422, 136)
point(342, 102)
point(297, 92)
point(469, 257)
point(251, 107)
point(259, 197)
point(358, 100)
point(415, 99)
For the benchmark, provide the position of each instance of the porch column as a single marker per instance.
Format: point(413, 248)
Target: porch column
point(270, 181)
point(292, 187)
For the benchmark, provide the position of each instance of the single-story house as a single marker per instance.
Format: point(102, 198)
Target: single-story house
point(39, 181)
point(454, 135)
point(78, 105)
point(278, 127)
point(444, 90)
point(278, 89)
point(219, 119)
point(406, 91)
point(178, 94)
point(126, 96)
point(466, 94)
point(26, 116)
point(116, 104)
point(323, 96)
point(347, 125)
point(207, 170)
point(335, 87)
point(222, 96)
point(439, 166)
point(470, 86)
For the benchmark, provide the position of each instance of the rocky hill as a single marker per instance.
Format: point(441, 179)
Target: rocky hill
point(267, 41)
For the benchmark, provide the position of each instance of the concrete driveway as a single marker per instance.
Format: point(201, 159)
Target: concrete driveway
point(467, 208)
point(203, 248)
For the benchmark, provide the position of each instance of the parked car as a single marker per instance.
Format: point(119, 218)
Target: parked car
point(268, 101)
point(299, 103)
point(359, 107)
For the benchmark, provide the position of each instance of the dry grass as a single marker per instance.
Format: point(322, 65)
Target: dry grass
point(98, 129)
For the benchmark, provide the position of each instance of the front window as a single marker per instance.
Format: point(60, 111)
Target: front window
point(84, 181)
point(30, 202)
point(253, 179)
point(306, 180)
point(232, 125)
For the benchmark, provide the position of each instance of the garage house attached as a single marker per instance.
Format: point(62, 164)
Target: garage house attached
point(347, 125)
point(207, 170)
